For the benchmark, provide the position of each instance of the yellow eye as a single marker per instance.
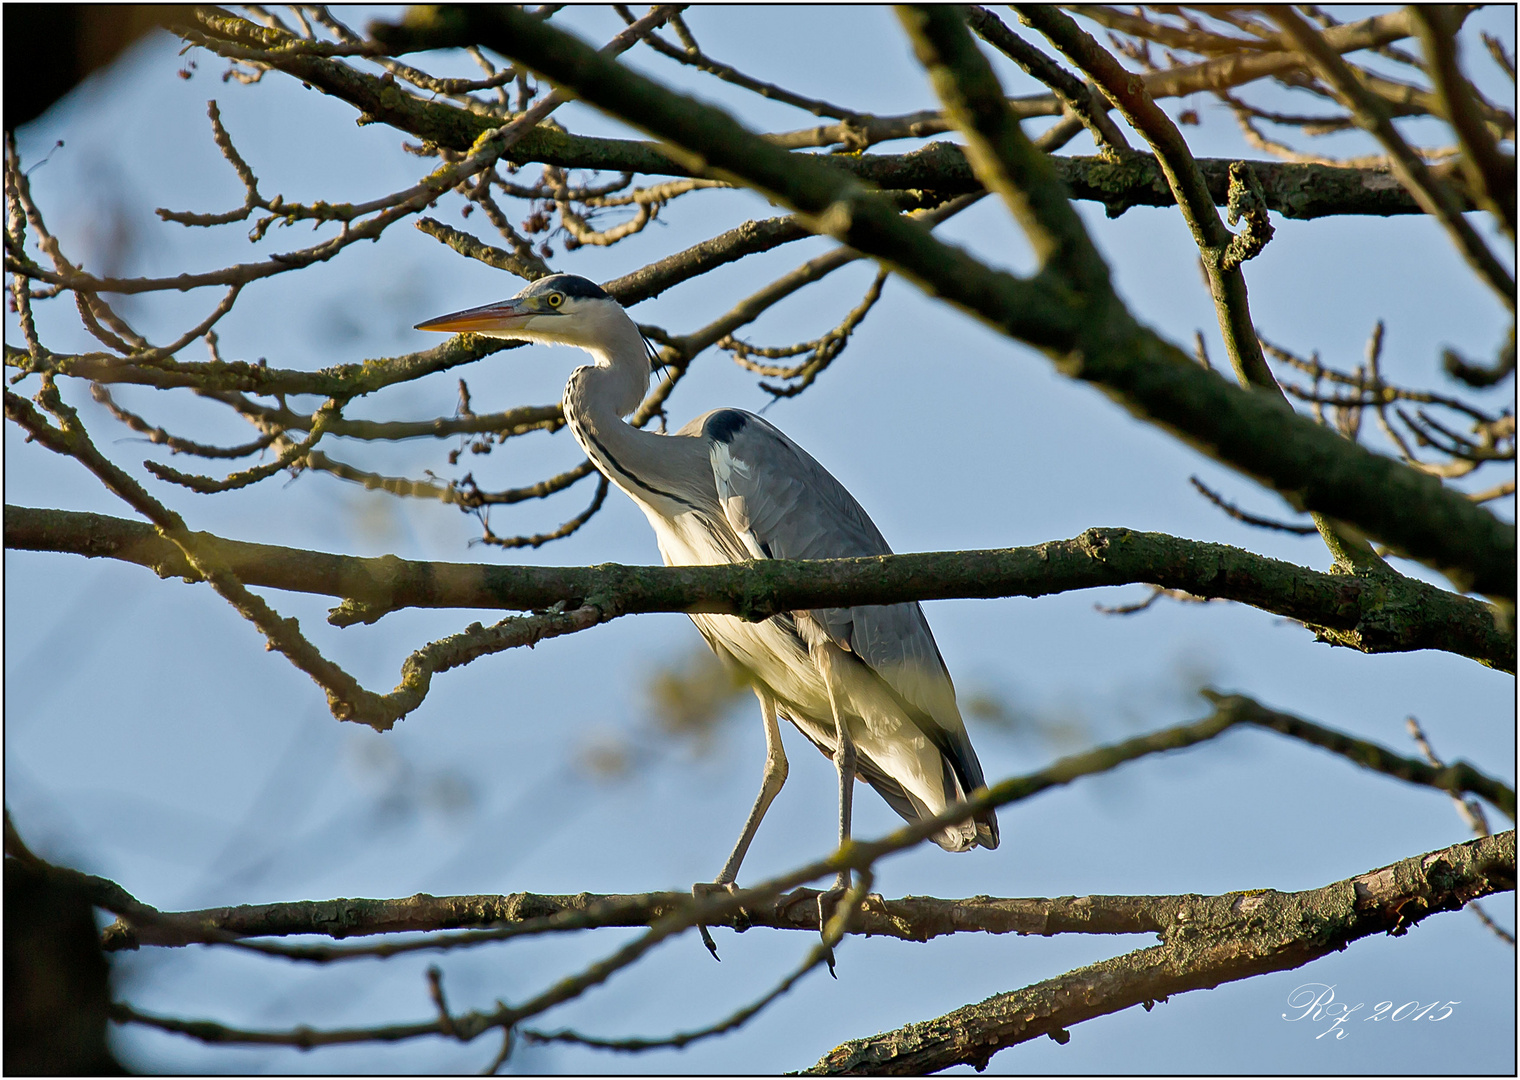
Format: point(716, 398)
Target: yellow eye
point(555, 299)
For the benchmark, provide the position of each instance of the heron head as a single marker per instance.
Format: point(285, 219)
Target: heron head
point(560, 309)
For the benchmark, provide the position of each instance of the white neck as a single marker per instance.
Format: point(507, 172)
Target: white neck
point(664, 474)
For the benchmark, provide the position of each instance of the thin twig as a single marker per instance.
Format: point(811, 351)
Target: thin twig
point(540, 539)
point(1372, 114)
point(180, 446)
point(1470, 809)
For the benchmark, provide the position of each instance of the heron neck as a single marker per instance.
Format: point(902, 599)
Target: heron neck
point(598, 396)
point(616, 384)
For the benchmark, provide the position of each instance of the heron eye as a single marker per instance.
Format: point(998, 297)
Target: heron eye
point(555, 299)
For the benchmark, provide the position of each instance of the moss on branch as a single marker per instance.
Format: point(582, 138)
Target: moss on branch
point(1221, 939)
point(1372, 615)
point(1233, 937)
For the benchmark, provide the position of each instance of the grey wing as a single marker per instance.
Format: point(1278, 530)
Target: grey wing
point(784, 505)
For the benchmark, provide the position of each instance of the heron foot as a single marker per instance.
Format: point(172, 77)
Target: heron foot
point(701, 891)
point(828, 905)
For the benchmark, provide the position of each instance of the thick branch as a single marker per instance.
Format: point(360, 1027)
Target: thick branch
point(1223, 939)
point(912, 918)
point(1395, 615)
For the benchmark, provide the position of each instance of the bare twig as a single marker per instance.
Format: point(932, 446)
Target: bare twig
point(1083, 101)
point(1472, 812)
point(539, 539)
point(1470, 809)
point(1482, 375)
point(693, 56)
point(1490, 172)
point(293, 455)
point(824, 350)
point(1372, 114)
point(1156, 594)
point(161, 437)
point(821, 953)
point(524, 263)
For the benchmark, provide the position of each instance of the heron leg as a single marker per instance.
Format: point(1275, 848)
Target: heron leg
point(844, 762)
point(844, 756)
point(770, 785)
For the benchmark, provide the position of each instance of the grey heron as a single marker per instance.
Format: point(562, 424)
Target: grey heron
point(866, 685)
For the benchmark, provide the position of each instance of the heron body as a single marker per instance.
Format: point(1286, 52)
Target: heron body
point(865, 684)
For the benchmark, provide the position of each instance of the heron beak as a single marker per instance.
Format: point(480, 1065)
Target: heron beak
point(491, 318)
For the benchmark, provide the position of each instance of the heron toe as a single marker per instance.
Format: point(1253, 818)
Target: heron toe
point(701, 891)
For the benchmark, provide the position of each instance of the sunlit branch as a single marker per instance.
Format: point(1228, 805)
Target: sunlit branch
point(1344, 610)
point(1235, 936)
point(511, 422)
point(525, 265)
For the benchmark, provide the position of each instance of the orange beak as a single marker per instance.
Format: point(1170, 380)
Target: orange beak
point(502, 315)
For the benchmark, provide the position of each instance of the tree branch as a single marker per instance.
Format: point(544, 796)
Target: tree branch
point(1391, 899)
point(1004, 159)
point(1074, 94)
point(913, 918)
point(1395, 615)
point(1455, 779)
point(1221, 939)
point(1221, 251)
point(1128, 95)
point(1294, 190)
point(355, 380)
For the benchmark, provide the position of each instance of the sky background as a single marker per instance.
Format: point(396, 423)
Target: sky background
point(151, 739)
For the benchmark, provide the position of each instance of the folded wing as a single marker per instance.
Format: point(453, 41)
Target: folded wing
point(783, 505)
